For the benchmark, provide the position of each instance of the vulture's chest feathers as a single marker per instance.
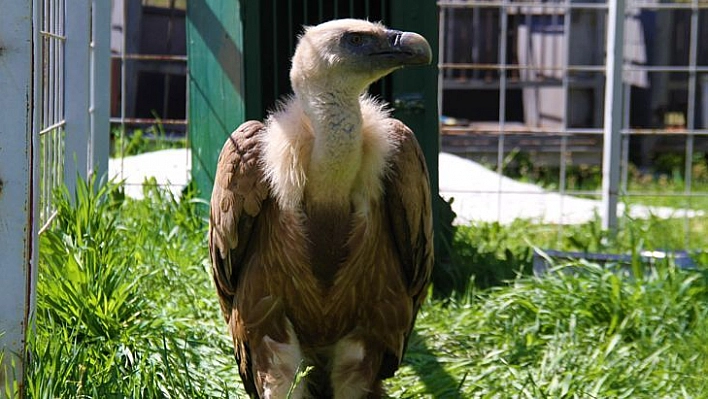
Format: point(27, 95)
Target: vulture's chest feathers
point(332, 179)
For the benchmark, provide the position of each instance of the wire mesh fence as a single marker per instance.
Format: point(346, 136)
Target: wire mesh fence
point(71, 96)
point(149, 93)
point(52, 121)
point(522, 86)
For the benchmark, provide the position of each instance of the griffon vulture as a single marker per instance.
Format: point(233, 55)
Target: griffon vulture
point(320, 228)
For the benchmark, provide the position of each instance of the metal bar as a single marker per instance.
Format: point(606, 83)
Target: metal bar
point(613, 114)
point(570, 192)
point(666, 195)
point(585, 193)
point(624, 150)
point(291, 40)
point(123, 87)
point(564, 119)
point(274, 52)
point(52, 127)
point(501, 4)
point(667, 68)
point(78, 24)
point(441, 54)
point(18, 190)
point(43, 162)
point(568, 5)
point(52, 35)
point(528, 130)
point(517, 67)
point(100, 87)
point(149, 121)
point(151, 57)
point(503, 24)
point(48, 223)
point(667, 132)
point(691, 112)
point(650, 5)
point(577, 68)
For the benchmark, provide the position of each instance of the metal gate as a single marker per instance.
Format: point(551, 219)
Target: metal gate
point(533, 78)
point(53, 104)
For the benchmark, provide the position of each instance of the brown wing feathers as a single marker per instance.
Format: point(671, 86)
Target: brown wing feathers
point(408, 203)
point(236, 199)
point(407, 198)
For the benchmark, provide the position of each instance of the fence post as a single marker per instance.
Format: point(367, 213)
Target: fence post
point(613, 114)
point(77, 85)
point(100, 88)
point(17, 187)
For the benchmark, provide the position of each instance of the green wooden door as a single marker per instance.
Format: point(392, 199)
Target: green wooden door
point(414, 96)
point(215, 65)
point(414, 91)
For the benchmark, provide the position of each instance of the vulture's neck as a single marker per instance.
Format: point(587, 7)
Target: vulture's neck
point(337, 149)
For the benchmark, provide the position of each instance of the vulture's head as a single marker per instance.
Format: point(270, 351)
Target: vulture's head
point(347, 55)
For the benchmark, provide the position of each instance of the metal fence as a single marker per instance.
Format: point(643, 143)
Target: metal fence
point(530, 82)
point(148, 91)
point(72, 97)
point(55, 69)
point(50, 104)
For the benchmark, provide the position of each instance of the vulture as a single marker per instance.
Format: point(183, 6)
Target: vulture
point(320, 231)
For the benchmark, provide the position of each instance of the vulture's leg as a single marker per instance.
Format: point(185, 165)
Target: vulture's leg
point(275, 365)
point(355, 370)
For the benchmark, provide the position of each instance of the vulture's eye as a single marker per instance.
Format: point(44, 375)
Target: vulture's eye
point(356, 39)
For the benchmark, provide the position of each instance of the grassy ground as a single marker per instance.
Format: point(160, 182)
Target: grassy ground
point(126, 309)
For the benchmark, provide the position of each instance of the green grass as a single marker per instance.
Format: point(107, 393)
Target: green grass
point(126, 309)
point(138, 141)
point(663, 184)
point(593, 335)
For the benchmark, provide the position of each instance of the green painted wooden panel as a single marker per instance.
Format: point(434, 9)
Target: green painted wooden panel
point(415, 100)
point(216, 101)
point(415, 90)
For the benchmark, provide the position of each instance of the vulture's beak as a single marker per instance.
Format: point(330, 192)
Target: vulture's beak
point(404, 48)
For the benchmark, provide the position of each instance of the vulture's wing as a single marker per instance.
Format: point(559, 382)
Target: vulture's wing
point(239, 190)
point(408, 204)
